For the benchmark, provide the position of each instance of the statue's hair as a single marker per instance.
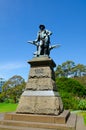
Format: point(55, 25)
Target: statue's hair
point(42, 26)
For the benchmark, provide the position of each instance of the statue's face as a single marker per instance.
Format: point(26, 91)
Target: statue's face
point(41, 28)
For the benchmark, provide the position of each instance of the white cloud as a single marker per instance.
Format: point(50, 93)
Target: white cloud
point(7, 70)
point(12, 66)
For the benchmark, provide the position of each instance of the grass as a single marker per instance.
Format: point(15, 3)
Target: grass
point(7, 107)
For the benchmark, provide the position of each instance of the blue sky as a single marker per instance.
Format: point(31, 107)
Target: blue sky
point(19, 21)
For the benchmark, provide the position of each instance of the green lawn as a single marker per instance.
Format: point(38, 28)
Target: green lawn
point(7, 107)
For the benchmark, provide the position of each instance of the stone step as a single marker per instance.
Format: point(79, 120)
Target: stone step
point(71, 122)
point(19, 128)
point(24, 125)
point(50, 126)
point(1, 116)
point(61, 119)
point(80, 123)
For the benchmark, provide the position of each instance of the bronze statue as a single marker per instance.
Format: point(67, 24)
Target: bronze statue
point(43, 42)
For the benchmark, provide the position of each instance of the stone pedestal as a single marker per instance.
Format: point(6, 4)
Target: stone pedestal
point(40, 95)
point(40, 106)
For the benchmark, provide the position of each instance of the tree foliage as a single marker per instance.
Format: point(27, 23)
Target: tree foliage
point(82, 80)
point(82, 104)
point(70, 69)
point(71, 86)
point(13, 82)
point(71, 92)
point(12, 89)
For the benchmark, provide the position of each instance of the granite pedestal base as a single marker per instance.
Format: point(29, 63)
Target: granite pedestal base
point(40, 95)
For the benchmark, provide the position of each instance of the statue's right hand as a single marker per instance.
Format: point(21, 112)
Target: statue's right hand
point(34, 42)
point(30, 42)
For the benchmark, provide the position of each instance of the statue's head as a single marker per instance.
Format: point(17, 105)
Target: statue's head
point(42, 27)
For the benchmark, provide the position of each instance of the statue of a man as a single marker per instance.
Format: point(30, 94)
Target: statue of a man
point(43, 37)
point(43, 42)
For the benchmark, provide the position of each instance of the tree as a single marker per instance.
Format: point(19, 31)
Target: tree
point(70, 69)
point(71, 92)
point(15, 92)
point(59, 71)
point(13, 82)
point(70, 85)
point(79, 70)
point(65, 69)
point(82, 80)
point(12, 89)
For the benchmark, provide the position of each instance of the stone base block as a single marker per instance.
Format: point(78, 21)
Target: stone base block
point(65, 121)
point(37, 103)
point(61, 119)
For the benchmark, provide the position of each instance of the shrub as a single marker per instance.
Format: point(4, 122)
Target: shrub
point(82, 104)
point(69, 101)
point(71, 91)
point(71, 86)
point(8, 100)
